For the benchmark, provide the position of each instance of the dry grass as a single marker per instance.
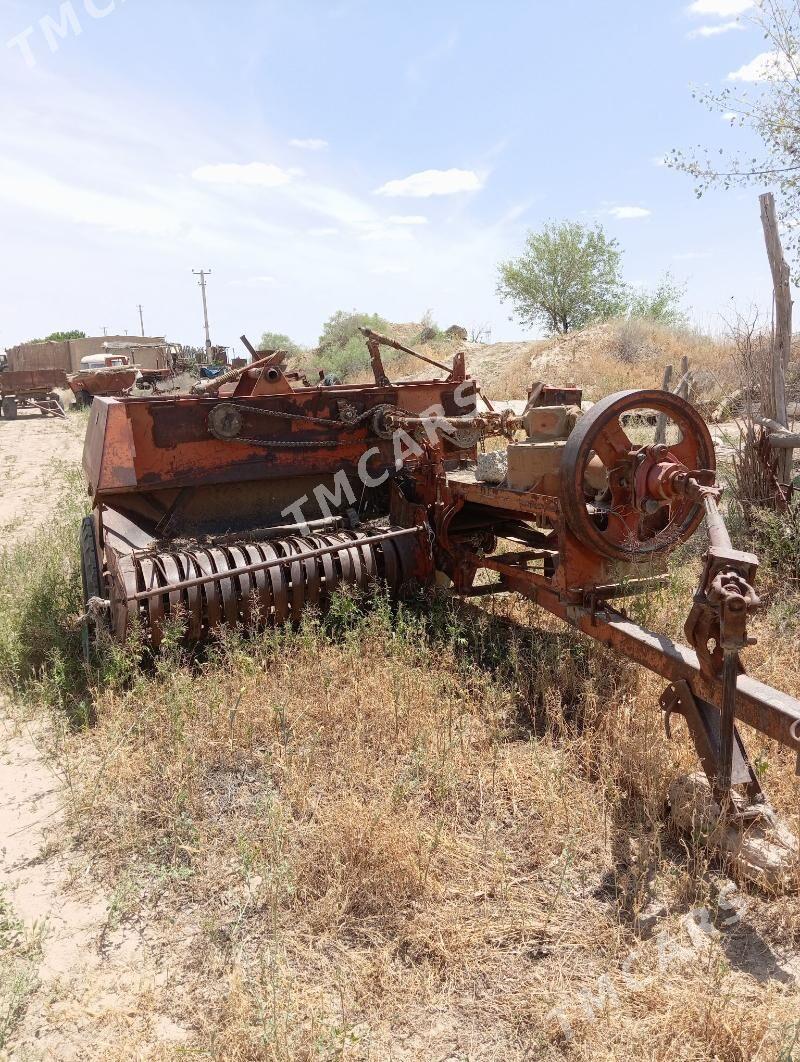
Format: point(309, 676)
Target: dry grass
point(624, 354)
point(422, 835)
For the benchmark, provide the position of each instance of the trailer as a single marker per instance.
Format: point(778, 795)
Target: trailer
point(31, 389)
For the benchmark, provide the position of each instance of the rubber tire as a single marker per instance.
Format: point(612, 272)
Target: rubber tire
point(10, 408)
point(91, 580)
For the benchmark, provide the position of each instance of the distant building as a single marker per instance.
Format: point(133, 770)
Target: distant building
point(148, 352)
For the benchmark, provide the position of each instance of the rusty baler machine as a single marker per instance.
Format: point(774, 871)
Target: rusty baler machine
point(260, 494)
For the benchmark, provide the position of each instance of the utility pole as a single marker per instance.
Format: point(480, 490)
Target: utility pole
point(105, 330)
point(203, 273)
point(141, 319)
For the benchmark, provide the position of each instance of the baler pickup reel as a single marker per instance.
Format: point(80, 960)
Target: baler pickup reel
point(249, 501)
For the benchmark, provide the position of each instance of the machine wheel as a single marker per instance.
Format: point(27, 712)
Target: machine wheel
point(92, 583)
point(9, 407)
point(609, 523)
point(82, 400)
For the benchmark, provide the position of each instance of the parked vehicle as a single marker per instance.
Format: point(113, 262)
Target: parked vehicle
point(107, 374)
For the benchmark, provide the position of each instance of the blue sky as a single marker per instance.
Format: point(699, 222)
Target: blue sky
point(353, 154)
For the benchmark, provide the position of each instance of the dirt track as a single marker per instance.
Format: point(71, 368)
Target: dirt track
point(93, 982)
point(30, 449)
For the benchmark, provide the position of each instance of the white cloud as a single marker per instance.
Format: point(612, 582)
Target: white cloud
point(729, 116)
point(408, 219)
point(767, 66)
point(721, 8)
point(715, 31)
point(251, 174)
point(659, 160)
point(432, 182)
point(628, 213)
point(324, 231)
point(311, 143)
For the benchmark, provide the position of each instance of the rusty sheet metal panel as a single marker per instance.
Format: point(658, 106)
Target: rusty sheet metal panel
point(105, 382)
point(166, 442)
point(109, 454)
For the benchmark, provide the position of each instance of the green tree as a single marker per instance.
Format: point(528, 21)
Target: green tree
point(567, 276)
point(279, 341)
point(343, 326)
point(662, 304)
point(62, 337)
point(770, 108)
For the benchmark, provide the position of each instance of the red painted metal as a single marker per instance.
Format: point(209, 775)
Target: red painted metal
point(187, 488)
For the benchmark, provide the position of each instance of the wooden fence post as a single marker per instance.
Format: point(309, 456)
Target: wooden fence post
point(661, 422)
point(683, 386)
point(781, 331)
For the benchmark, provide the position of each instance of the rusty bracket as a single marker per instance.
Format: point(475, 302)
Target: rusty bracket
point(724, 599)
point(378, 371)
point(705, 726)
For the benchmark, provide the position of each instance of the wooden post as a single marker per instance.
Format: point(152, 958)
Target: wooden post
point(661, 422)
point(781, 330)
point(683, 386)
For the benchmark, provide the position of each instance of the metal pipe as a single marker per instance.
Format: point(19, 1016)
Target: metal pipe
point(264, 534)
point(294, 558)
point(717, 531)
point(248, 346)
point(387, 341)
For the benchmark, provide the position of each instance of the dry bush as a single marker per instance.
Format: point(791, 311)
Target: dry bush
point(623, 354)
point(753, 481)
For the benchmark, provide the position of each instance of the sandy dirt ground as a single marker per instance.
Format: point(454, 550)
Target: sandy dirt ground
point(31, 448)
point(95, 984)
